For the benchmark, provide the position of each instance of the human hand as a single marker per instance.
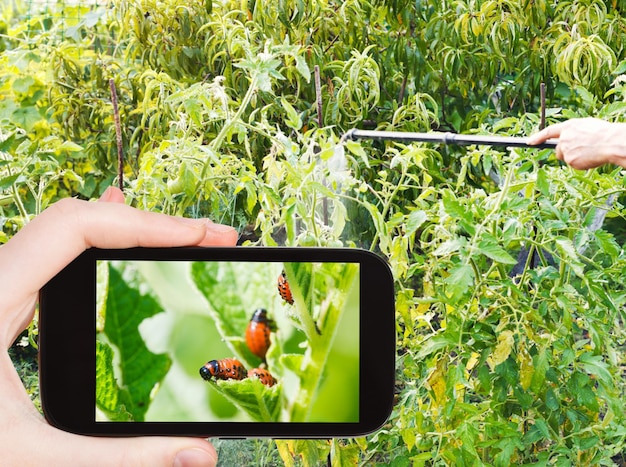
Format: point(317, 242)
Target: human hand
point(585, 143)
point(28, 261)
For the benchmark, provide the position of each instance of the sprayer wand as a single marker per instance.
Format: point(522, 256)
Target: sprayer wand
point(446, 138)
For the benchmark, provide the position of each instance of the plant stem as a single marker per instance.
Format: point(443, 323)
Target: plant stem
point(219, 139)
point(387, 207)
point(542, 124)
point(118, 135)
point(316, 356)
point(19, 204)
point(313, 221)
point(318, 96)
point(320, 124)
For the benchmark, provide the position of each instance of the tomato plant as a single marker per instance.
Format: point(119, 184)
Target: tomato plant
point(508, 265)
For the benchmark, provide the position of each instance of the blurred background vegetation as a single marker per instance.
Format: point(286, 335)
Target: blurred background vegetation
point(233, 110)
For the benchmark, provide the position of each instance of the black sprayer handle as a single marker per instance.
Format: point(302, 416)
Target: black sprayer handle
point(446, 138)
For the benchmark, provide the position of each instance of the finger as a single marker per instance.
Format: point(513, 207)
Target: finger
point(552, 131)
point(559, 152)
point(112, 195)
point(58, 235)
point(216, 234)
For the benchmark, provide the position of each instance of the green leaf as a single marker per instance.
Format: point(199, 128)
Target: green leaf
point(377, 217)
point(23, 85)
point(596, 366)
point(312, 452)
point(194, 109)
point(566, 247)
point(435, 344)
point(26, 117)
point(542, 427)
point(469, 435)
point(606, 241)
point(300, 279)
point(6, 182)
point(127, 305)
point(459, 281)
point(356, 149)
point(231, 289)
point(260, 402)
point(488, 247)
point(415, 220)
point(251, 198)
point(505, 123)
point(588, 398)
point(102, 281)
point(110, 398)
point(543, 184)
point(458, 210)
point(338, 218)
point(450, 246)
point(10, 141)
point(508, 447)
point(303, 68)
point(541, 365)
point(552, 401)
point(69, 146)
point(293, 120)
point(292, 362)
point(621, 68)
point(454, 208)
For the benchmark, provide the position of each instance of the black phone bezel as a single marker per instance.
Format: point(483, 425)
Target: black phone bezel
point(67, 339)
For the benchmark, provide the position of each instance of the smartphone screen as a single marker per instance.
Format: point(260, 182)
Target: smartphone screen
point(282, 338)
point(244, 342)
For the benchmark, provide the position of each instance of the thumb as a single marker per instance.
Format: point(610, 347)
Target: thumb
point(192, 457)
point(27, 440)
point(69, 449)
point(112, 195)
point(159, 451)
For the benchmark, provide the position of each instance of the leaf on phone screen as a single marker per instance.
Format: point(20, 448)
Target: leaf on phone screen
point(127, 305)
point(110, 398)
point(321, 294)
point(233, 292)
point(260, 402)
point(102, 279)
point(292, 362)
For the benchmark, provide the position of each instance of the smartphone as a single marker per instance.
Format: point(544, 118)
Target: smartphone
point(219, 342)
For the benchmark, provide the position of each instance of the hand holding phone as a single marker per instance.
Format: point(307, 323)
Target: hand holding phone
point(33, 256)
point(280, 342)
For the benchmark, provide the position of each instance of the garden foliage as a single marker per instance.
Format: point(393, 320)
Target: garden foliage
point(509, 266)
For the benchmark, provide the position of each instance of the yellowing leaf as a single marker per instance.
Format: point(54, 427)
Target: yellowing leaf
point(527, 370)
point(421, 309)
point(409, 437)
point(436, 382)
point(502, 350)
point(472, 361)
